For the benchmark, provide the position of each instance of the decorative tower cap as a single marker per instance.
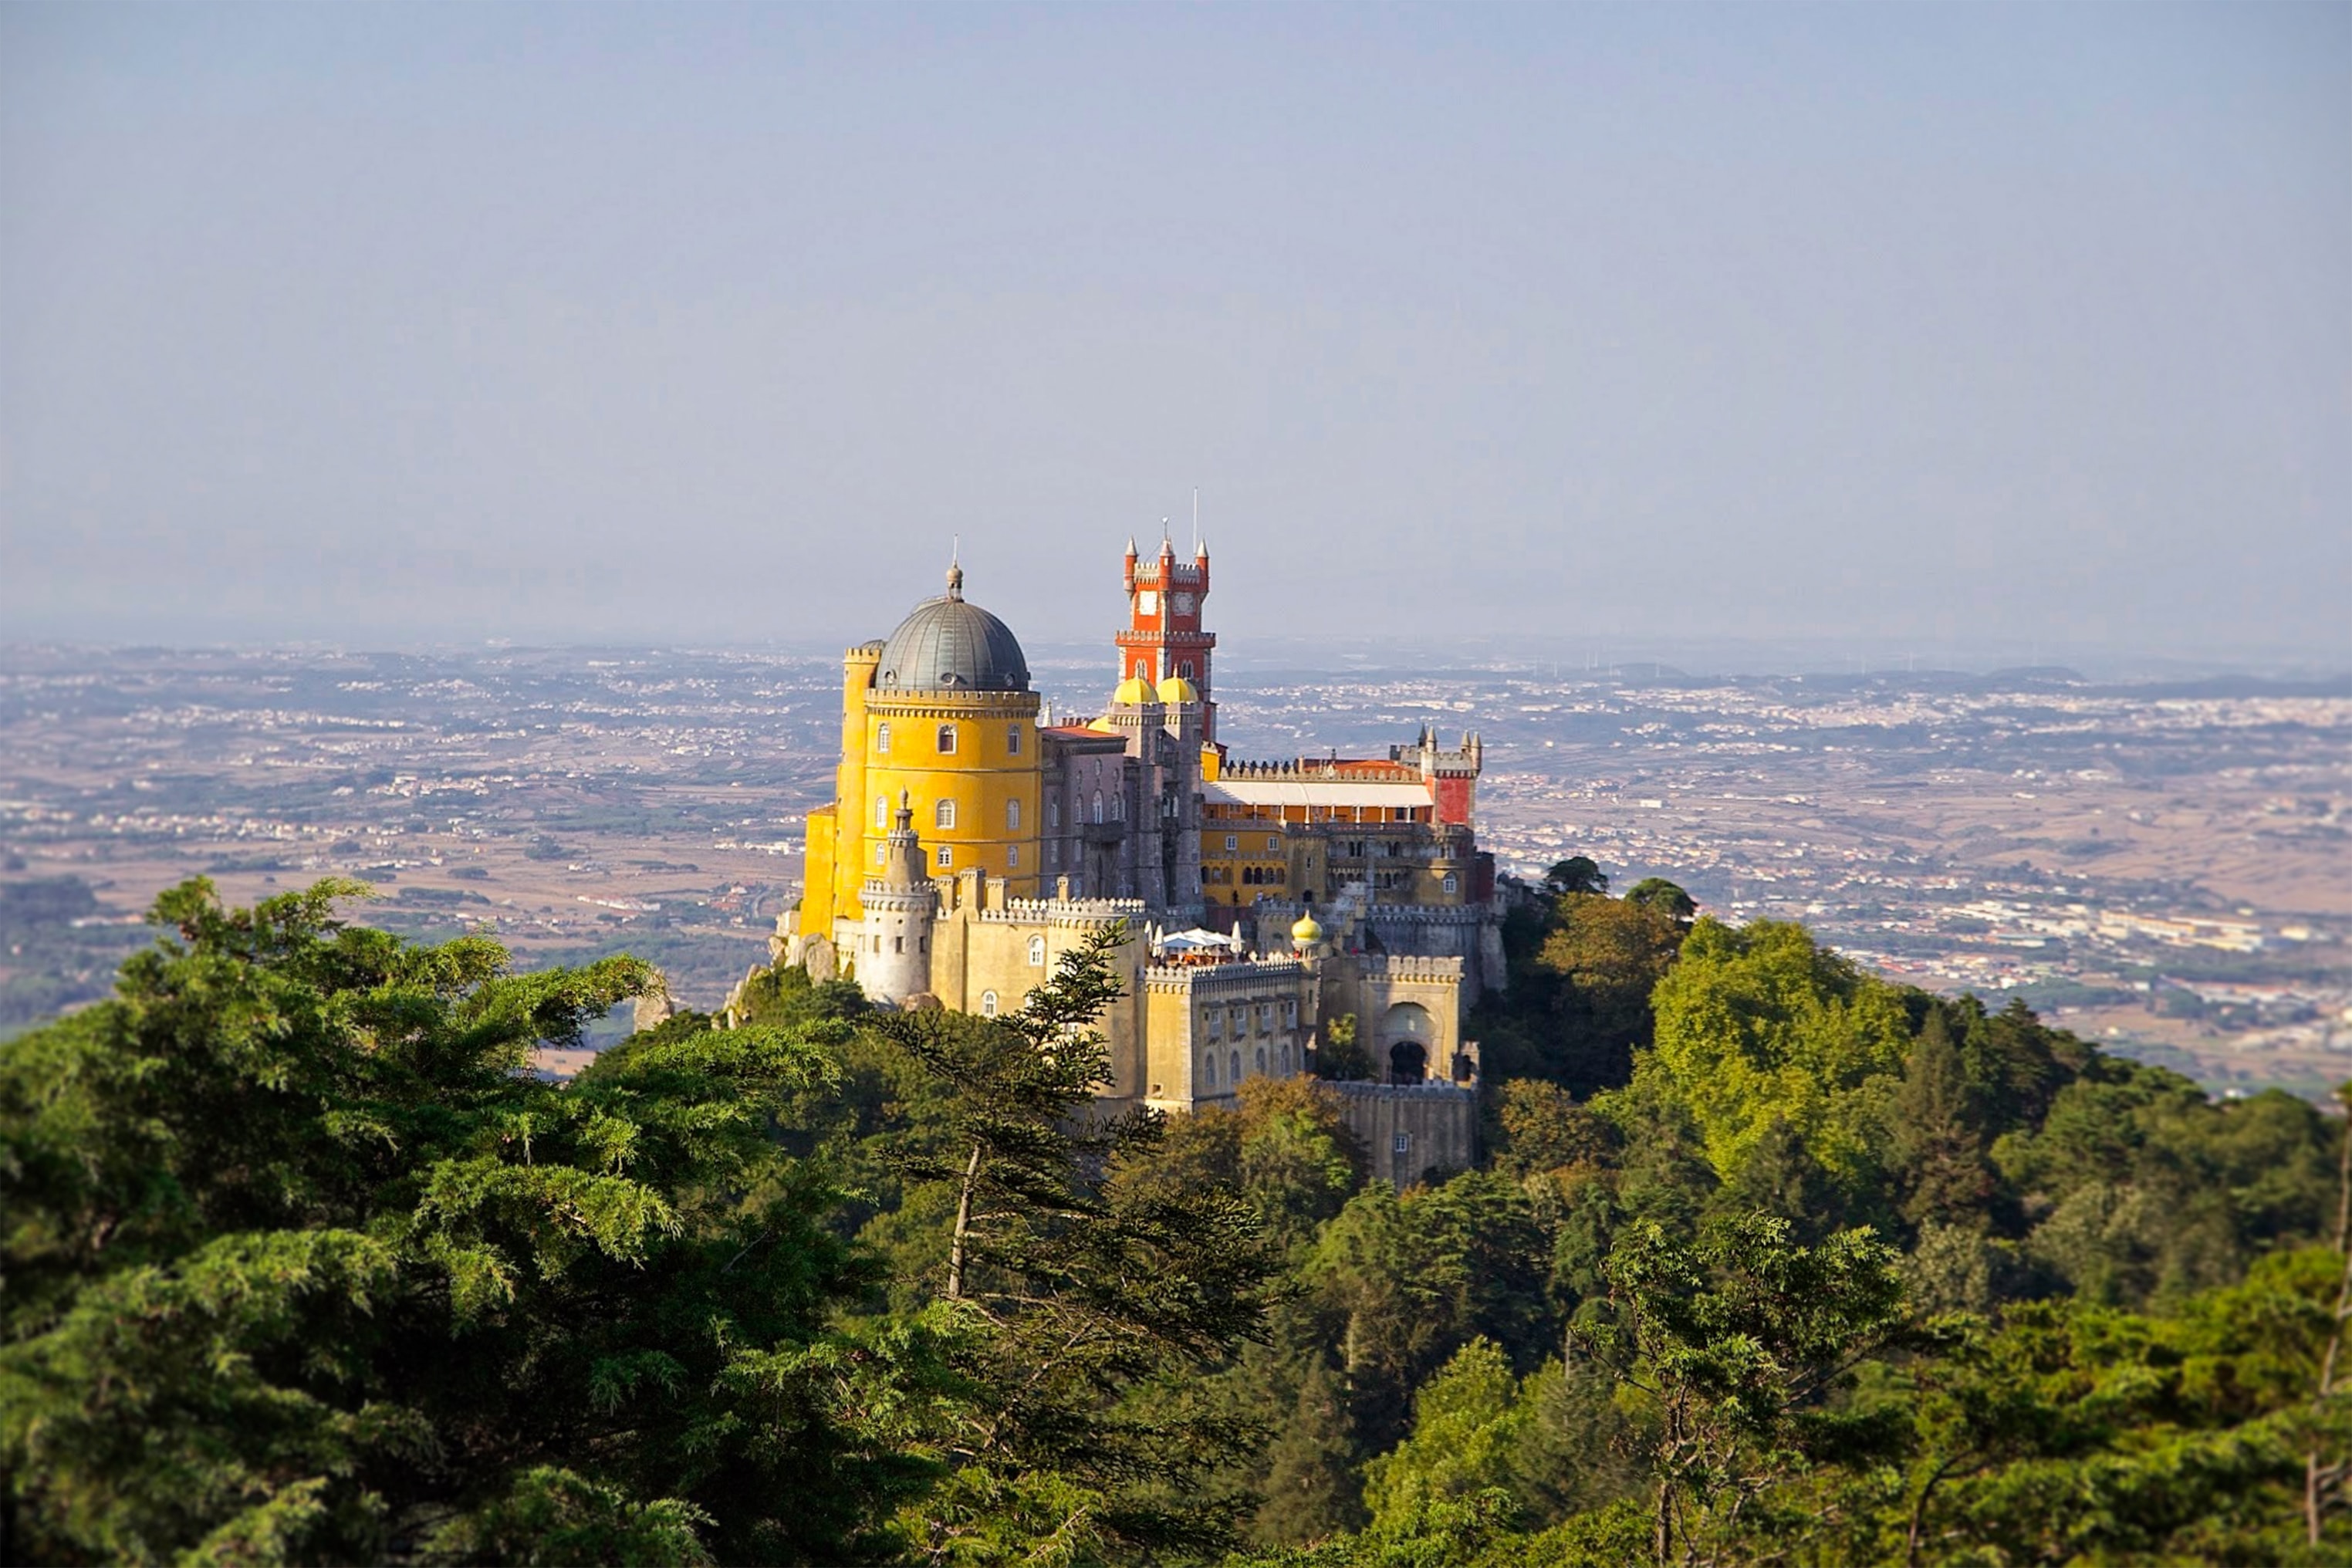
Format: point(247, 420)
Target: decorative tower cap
point(955, 581)
point(1306, 933)
point(1131, 692)
point(1176, 688)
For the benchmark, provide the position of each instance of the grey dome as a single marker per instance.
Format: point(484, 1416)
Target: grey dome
point(948, 645)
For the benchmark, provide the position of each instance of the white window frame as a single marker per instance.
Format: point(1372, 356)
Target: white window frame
point(1233, 843)
point(946, 740)
point(882, 738)
point(988, 1003)
point(1011, 816)
point(943, 814)
point(882, 811)
point(1013, 857)
point(1013, 740)
point(946, 856)
point(1037, 952)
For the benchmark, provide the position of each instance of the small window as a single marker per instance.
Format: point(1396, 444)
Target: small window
point(1185, 669)
point(1403, 1145)
point(1216, 1026)
point(947, 856)
point(988, 1003)
point(1118, 808)
point(1053, 852)
point(1233, 842)
point(1453, 883)
point(897, 944)
point(1037, 953)
point(1098, 805)
point(1209, 1069)
point(1261, 1061)
point(946, 740)
point(882, 739)
point(881, 853)
point(1011, 816)
point(1012, 741)
point(1234, 1062)
point(1053, 813)
point(1273, 845)
point(881, 811)
point(1013, 855)
point(945, 814)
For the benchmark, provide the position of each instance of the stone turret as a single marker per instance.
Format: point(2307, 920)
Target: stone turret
point(894, 948)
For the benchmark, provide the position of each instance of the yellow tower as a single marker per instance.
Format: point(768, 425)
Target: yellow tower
point(942, 713)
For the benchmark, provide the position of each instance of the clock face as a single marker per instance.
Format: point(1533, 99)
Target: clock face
point(1181, 604)
point(1147, 602)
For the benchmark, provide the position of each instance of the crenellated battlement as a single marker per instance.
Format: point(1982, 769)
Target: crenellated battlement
point(1408, 966)
point(1241, 975)
point(1066, 914)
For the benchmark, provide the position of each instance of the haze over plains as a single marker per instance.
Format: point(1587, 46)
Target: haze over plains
point(1905, 326)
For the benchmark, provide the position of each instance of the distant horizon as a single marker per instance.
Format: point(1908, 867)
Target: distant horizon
point(1566, 660)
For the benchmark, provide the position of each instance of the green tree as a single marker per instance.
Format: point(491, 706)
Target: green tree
point(302, 1262)
point(1658, 893)
point(1736, 1342)
point(1467, 1427)
point(1082, 1312)
point(1341, 1058)
point(1760, 1024)
point(1310, 1489)
point(1601, 960)
point(1577, 874)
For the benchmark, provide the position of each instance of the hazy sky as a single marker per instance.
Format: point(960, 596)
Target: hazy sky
point(595, 323)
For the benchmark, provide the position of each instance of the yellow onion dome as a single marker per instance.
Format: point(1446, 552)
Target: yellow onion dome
point(1131, 691)
point(1306, 933)
point(1176, 688)
point(1103, 724)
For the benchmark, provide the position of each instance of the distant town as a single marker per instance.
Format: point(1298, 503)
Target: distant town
point(2167, 869)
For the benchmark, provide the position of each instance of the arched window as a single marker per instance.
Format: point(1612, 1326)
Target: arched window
point(1011, 816)
point(1054, 814)
point(1261, 1059)
point(1209, 1068)
point(1286, 1055)
point(1453, 883)
point(1037, 951)
point(945, 815)
point(946, 856)
point(881, 811)
point(1012, 741)
point(1118, 808)
point(881, 853)
point(882, 738)
point(1235, 1062)
point(946, 740)
point(988, 1003)
point(1097, 805)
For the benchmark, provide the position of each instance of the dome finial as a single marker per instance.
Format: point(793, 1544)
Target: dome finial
point(955, 569)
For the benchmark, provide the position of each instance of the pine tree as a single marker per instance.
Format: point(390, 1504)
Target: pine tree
point(1310, 1489)
point(1078, 1308)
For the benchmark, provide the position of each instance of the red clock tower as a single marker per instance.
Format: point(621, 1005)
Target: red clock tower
point(1163, 635)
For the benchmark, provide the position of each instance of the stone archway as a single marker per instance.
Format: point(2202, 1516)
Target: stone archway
point(1408, 1032)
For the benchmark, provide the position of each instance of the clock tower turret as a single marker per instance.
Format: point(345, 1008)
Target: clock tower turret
point(1163, 640)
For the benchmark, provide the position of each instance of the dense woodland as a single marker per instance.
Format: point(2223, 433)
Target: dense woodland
point(1771, 1261)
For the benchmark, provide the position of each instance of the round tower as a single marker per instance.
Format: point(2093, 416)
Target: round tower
point(894, 944)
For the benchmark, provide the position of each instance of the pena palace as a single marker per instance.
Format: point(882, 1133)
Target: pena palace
point(973, 840)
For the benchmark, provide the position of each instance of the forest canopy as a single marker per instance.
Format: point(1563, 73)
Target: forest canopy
point(1767, 1258)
